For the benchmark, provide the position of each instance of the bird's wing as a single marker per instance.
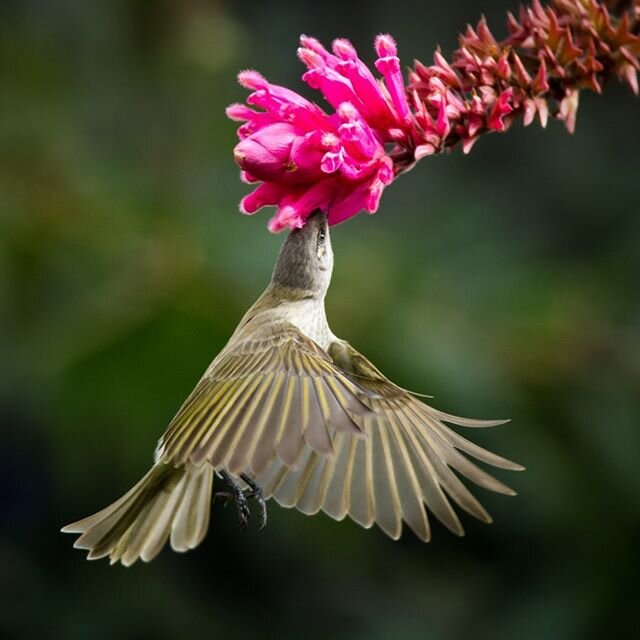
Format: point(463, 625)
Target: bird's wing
point(265, 397)
point(405, 462)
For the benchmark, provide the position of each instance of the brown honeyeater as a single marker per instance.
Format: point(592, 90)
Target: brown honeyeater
point(288, 410)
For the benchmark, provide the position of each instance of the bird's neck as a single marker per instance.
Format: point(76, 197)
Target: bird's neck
point(307, 313)
point(310, 317)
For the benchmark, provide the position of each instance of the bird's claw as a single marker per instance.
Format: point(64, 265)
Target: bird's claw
point(242, 505)
point(241, 499)
point(255, 492)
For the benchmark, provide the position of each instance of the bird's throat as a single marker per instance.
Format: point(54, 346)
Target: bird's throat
point(310, 317)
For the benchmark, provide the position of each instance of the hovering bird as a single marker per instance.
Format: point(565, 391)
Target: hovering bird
point(290, 411)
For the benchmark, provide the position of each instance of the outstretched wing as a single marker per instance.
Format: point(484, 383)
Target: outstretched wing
point(267, 396)
point(406, 461)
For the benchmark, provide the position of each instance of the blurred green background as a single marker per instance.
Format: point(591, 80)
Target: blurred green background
point(505, 283)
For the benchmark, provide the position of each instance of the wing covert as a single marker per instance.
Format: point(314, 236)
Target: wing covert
point(265, 396)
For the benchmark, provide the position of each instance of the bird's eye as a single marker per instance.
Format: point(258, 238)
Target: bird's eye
point(321, 247)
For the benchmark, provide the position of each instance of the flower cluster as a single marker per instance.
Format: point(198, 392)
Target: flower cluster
point(551, 53)
point(306, 158)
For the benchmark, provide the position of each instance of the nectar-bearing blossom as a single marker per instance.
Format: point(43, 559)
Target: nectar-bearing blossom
point(307, 159)
point(340, 160)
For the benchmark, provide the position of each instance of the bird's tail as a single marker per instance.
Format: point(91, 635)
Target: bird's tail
point(168, 501)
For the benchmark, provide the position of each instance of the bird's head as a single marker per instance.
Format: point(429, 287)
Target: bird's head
point(305, 262)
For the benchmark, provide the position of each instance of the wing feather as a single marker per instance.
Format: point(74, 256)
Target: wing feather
point(404, 463)
point(218, 394)
point(265, 396)
point(311, 495)
point(402, 467)
point(267, 428)
point(361, 489)
point(220, 434)
point(289, 441)
point(245, 442)
point(317, 431)
point(476, 451)
point(432, 493)
point(437, 452)
point(292, 485)
point(409, 491)
point(386, 502)
point(272, 477)
point(336, 499)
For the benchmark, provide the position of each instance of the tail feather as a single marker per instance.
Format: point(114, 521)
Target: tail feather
point(167, 503)
point(192, 520)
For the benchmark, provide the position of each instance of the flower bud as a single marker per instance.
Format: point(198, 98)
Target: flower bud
point(265, 154)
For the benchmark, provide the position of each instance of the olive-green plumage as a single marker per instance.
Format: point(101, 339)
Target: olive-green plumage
point(305, 416)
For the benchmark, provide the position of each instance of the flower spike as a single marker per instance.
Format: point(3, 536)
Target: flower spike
point(306, 158)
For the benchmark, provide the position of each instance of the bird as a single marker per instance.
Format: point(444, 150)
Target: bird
point(289, 411)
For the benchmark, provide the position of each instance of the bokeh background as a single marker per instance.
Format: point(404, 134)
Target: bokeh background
point(504, 283)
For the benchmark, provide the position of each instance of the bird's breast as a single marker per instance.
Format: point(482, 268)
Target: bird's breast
point(309, 316)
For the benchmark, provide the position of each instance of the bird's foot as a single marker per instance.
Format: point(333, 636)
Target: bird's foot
point(241, 499)
point(255, 492)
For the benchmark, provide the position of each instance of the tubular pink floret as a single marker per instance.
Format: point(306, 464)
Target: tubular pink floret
point(295, 210)
point(356, 132)
point(333, 86)
point(332, 161)
point(385, 45)
point(344, 49)
point(310, 58)
point(265, 195)
point(314, 44)
point(388, 64)
point(374, 102)
point(250, 79)
point(317, 47)
point(239, 112)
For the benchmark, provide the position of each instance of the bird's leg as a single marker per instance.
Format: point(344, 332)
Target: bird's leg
point(256, 492)
point(240, 497)
point(236, 495)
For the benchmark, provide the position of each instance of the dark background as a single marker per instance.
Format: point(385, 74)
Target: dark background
point(505, 283)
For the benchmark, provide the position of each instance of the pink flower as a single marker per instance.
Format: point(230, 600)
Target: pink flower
point(308, 159)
